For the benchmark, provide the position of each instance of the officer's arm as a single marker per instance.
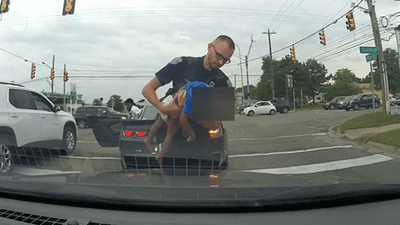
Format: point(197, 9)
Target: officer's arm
point(149, 92)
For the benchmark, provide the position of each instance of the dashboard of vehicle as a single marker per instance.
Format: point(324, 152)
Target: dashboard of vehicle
point(14, 211)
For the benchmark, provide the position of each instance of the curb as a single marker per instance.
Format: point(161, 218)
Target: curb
point(377, 148)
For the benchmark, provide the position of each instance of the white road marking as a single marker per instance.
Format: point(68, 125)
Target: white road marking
point(289, 136)
point(41, 172)
point(291, 152)
point(322, 167)
point(90, 142)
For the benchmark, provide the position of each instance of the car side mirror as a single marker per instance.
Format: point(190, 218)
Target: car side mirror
point(255, 106)
point(57, 108)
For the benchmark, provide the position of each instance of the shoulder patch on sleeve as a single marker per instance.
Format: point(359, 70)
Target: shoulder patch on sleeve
point(176, 60)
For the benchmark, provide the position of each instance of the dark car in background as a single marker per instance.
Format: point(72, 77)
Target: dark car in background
point(344, 102)
point(88, 116)
point(334, 103)
point(281, 105)
point(362, 101)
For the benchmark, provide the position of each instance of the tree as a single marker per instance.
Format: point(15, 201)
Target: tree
point(118, 104)
point(392, 66)
point(315, 78)
point(96, 101)
point(251, 88)
point(343, 86)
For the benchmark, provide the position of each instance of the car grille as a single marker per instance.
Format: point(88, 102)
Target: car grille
point(174, 166)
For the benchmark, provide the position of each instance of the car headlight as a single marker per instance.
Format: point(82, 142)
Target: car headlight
point(124, 118)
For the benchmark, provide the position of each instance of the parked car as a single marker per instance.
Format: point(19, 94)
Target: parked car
point(362, 101)
point(207, 154)
point(344, 102)
point(88, 116)
point(241, 108)
point(281, 105)
point(261, 107)
point(30, 119)
point(392, 100)
point(334, 103)
point(397, 100)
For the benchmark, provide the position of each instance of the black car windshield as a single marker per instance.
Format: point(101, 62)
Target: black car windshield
point(122, 100)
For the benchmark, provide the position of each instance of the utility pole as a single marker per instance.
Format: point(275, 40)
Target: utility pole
point(65, 108)
point(247, 67)
point(378, 44)
point(241, 72)
point(52, 81)
point(270, 59)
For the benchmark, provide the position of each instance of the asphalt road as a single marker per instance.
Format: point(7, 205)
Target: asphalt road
point(293, 144)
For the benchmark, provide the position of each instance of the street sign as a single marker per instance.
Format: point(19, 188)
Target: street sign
point(370, 57)
point(369, 50)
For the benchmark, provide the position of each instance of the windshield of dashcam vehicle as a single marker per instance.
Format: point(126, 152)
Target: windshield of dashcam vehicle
point(160, 94)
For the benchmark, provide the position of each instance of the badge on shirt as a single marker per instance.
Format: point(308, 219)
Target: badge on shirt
point(176, 60)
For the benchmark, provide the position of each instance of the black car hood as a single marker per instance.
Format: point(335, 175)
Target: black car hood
point(226, 189)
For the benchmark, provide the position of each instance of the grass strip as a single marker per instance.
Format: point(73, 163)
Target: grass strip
point(366, 120)
point(390, 138)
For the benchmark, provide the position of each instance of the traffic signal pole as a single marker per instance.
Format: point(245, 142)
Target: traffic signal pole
point(378, 44)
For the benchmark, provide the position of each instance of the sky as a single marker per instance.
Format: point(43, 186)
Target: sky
point(124, 43)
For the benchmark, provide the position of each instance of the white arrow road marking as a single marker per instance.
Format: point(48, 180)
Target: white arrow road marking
point(328, 166)
point(290, 152)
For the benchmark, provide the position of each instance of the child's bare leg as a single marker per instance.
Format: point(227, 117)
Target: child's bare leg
point(149, 139)
point(171, 131)
point(187, 128)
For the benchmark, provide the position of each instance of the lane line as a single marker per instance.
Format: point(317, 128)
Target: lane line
point(291, 152)
point(322, 167)
point(266, 138)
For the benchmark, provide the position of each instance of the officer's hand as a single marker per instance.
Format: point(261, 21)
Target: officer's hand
point(172, 109)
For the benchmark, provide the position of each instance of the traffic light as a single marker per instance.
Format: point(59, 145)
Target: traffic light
point(4, 5)
point(292, 53)
point(350, 21)
point(69, 7)
point(52, 74)
point(33, 71)
point(65, 76)
point(322, 37)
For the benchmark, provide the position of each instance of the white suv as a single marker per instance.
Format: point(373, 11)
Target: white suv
point(29, 119)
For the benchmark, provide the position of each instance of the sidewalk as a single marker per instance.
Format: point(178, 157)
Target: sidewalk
point(354, 134)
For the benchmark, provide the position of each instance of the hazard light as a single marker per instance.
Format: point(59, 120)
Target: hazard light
point(213, 133)
point(128, 133)
point(140, 133)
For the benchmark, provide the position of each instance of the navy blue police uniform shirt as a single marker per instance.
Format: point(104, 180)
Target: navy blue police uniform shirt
point(182, 70)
